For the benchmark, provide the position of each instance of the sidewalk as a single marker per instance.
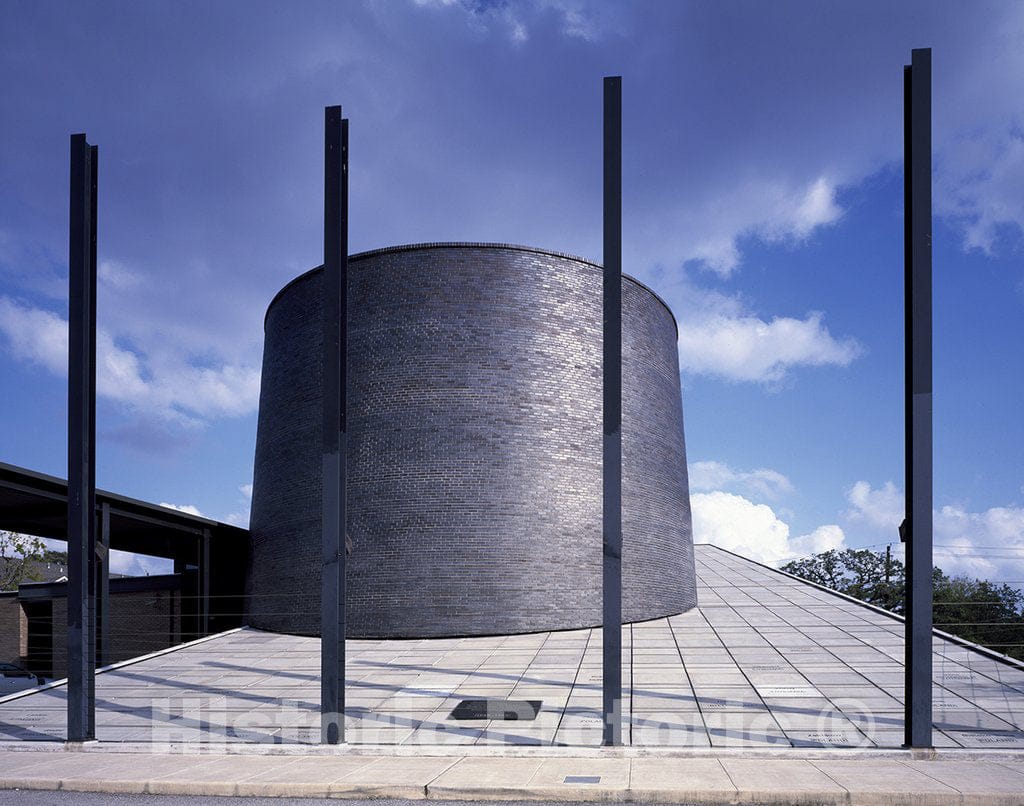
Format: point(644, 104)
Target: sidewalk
point(836, 779)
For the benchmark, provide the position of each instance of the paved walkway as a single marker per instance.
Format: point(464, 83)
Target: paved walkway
point(765, 661)
point(790, 780)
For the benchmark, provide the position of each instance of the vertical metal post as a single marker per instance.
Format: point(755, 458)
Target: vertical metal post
point(103, 588)
point(917, 161)
point(335, 327)
point(81, 633)
point(204, 583)
point(612, 408)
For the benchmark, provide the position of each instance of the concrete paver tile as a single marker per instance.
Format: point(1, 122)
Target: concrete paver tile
point(309, 776)
point(405, 777)
point(781, 780)
point(988, 738)
point(491, 775)
point(15, 762)
point(122, 773)
point(579, 778)
point(879, 776)
point(974, 777)
point(58, 765)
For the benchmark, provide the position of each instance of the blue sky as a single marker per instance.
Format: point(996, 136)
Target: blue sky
point(762, 200)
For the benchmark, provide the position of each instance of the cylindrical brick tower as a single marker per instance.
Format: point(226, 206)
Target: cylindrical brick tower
point(474, 448)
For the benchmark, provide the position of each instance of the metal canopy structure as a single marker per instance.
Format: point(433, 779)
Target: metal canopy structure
point(36, 504)
point(210, 553)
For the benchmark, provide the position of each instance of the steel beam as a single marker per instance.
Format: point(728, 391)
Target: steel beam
point(335, 331)
point(81, 629)
point(917, 275)
point(612, 408)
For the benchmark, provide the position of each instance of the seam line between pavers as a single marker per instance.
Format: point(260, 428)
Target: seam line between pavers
point(723, 768)
point(369, 760)
point(735, 788)
point(686, 673)
point(147, 784)
point(572, 688)
point(286, 764)
point(849, 794)
point(1015, 770)
point(746, 677)
point(959, 791)
point(426, 786)
point(991, 654)
point(529, 783)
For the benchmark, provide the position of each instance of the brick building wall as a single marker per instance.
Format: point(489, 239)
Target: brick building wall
point(33, 629)
point(13, 630)
point(474, 448)
point(140, 623)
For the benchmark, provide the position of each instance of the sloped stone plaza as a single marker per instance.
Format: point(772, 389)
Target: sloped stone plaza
point(766, 660)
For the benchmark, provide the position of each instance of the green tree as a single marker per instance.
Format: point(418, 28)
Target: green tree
point(20, 556)
point(860, 573)
point(982, 612)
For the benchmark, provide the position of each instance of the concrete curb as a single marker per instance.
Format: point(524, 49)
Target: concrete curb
point(712, 781)
point(514, 751)
point(709, 797)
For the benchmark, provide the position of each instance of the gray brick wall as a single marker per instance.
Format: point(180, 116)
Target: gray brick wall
point(474, 488)
point(13, 631)
point(140, 623)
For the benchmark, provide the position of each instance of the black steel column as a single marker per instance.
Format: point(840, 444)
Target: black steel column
point(612, 382)
point(335, 285)
point(917, 274)
point(103, 588)
point(81, 632)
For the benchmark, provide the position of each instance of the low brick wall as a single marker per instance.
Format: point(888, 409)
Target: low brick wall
point(13, 630)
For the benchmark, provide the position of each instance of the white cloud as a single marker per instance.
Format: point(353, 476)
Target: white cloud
point(719, 336)
point(754, 530)
point(883, 507)
point(237, 519)
point(576, 19)
point(818, 208)
point(162, 384)
point(985, 545)
point(246, 490)
point(124, 562)
point(188, 509)
point(748, 348)
point(35, 335)
point(978, 178)
point(824, 538)
point(763, 481)
point(116, 276)
point(774, 210)
point(139, 565)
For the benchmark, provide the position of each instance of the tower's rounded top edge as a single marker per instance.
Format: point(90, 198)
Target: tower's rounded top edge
point(466, 245)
